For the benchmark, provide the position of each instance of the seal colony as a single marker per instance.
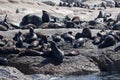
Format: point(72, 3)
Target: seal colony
point(55, 46)
point(58, 45)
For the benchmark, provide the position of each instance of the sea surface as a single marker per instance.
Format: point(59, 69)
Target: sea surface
point(101, 76)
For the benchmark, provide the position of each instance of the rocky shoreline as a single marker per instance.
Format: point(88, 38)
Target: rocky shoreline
point(57, 43)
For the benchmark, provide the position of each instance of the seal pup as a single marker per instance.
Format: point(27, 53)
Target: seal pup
point(107, 42)
point(45, 16)
point(57, 53)
point(31, 36)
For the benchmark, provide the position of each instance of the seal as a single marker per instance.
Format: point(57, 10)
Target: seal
point(19, 43)
point(58, 54)
point(68, 37)
point(3, 61)
point(4, 26)
point(56, 37)
point(34, 44)
point(103, 5)
point(69, 24)
point(31, 36)
point(30, 19)
point(79, 42)
point(17, 35)
point(45, 17)
point(78, 35)
point(100, 15)
point(107, 42)
point(43, 38)
point(76, 20)
point(86, 33)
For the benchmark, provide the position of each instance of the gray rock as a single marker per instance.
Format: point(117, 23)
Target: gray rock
point(70, 66)
point(10, 73)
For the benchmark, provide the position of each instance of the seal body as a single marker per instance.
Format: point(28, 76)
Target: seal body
point(79, 42)
point(68, 37)
point(107, 42)
point(57, 53)
point(31, 36)
point(19, 43)
point(45, 16)
point(30, 19)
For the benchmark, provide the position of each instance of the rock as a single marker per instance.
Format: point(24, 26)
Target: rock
point(108, 61)
point(52, 1)
point(10, 73)
point(109, 3)
point(49, 3)
point(70, 66)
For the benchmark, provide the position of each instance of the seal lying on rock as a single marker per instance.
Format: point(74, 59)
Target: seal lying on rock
point(30, 19)
point(58, 54)
point(86, 33)
point(68, 37)
point(107, 42)
point(79, 42)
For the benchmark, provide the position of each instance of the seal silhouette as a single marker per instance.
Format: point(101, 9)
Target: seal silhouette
point(57, 53)
point(19, 43)
point(31, 36)
point(45, 16)
point(100, 15)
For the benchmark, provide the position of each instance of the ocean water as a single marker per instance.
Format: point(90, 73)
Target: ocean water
point(102, 76)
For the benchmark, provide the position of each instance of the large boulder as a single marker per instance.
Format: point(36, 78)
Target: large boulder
point(71, 65)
